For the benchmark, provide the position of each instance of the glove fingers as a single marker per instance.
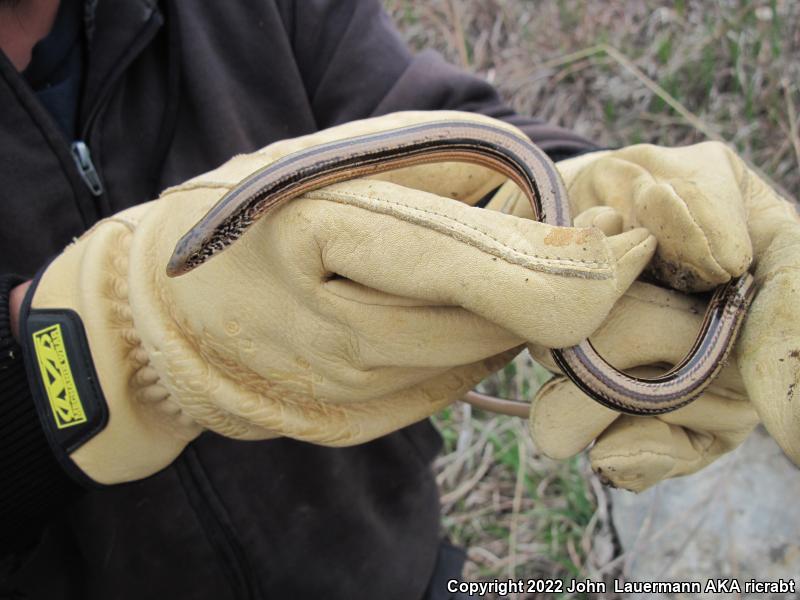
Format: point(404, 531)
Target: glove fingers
point(529, 278)
point(702, 232)
point(768, 351)
point(632, 250)
point(652, 326)
point(560, 406)
point(770, 358)
point(563, 420)
point(729, 419)
point(510, 200)
point(649, 325)
point(636, 453)
point(605, 218)
point(404, 332)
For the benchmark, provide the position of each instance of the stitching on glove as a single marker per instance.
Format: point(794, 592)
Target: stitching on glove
point(129, 223)
point(147, 389)
point(182, 375)
point(635, 454)
point(193, 185)
point(696, 224)
point(596, 269)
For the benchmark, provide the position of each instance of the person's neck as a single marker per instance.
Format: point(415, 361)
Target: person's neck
point(22, 24)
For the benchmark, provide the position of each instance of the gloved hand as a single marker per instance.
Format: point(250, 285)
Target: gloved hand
point(712, 217)
point(340, 317)
point(649, 329)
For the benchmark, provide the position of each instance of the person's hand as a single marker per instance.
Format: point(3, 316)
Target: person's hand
point(342, 316)
point(15, 299)
point(713, 217)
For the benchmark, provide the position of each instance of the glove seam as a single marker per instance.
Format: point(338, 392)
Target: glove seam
point(597, 266)
point(638, 454)
point(215, 417)
point(697, 225)
point(141, 382)
point(192, 185)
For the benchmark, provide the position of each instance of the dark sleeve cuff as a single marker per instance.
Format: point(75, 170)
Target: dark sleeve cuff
point(32, 484)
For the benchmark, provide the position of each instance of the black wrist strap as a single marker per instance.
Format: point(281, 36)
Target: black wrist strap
point(33, 487)
point(63, 380)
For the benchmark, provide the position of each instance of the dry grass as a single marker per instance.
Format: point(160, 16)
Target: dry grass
point(734, 66)
point(519, 513)
point(618, 72)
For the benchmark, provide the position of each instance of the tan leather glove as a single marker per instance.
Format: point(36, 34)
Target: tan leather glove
point(712, 216)
point(649, 329)
point(344, 315)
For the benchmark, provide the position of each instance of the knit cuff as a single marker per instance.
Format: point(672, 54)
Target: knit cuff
point(32, 484)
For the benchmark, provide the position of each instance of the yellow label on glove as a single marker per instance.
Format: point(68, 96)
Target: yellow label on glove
point(53, 362)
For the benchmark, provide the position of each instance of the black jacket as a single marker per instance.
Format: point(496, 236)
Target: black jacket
point(173, 89)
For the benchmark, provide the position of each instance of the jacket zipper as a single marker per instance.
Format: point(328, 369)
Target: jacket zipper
point(79, 148)
point(86, 169)
point(212, 515)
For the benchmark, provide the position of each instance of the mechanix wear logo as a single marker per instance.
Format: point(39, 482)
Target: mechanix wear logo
point(59, 384)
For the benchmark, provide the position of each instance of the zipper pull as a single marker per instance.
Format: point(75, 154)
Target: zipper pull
point(83, 160)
